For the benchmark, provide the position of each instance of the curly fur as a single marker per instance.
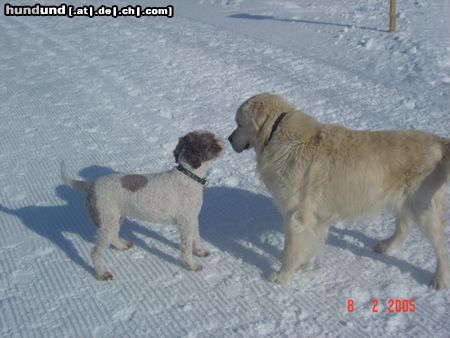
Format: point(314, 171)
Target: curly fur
point(168, 197)
point(197, 148)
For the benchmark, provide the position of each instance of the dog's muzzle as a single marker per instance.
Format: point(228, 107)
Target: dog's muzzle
point(236, 147)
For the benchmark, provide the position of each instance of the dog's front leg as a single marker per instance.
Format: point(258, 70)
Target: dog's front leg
point(187, 244)
point(198, 248)
point(300, 244)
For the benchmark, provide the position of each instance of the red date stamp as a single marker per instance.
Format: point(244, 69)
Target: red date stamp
point(391, 305)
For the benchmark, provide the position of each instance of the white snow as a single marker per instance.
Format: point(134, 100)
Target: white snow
point(114, 94)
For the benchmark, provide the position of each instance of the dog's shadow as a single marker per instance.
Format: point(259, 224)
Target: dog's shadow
point(236, 220)
point(57, 223)
point(336, 238)
point(233, 220)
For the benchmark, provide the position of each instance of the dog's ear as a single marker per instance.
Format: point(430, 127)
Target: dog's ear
point(178, 149)
point(259, 119)
point(193, 160)
point(259, 114)
point(211, 146)
point(192, 151)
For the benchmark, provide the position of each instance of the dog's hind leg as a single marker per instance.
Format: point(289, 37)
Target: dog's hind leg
point(402, 225)
point(103, 235)
point(103, 242)
point(116, 241)
point(107, 223)
point(430, 218)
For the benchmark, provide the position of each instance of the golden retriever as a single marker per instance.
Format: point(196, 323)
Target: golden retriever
point(320, 173)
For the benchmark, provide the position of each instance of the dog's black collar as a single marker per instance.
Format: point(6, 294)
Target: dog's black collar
point(275, 126)
point(201, 180)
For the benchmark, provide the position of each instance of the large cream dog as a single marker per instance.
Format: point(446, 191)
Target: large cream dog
point(320, 173)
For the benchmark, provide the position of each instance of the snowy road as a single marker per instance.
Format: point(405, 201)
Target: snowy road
point(115, 94)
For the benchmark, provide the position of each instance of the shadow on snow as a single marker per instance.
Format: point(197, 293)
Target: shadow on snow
point(231, 219)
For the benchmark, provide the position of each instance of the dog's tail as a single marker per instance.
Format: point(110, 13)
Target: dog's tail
point(75, 184)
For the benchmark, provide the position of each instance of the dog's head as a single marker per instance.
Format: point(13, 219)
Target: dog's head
point(255, 118)
point(198, 147)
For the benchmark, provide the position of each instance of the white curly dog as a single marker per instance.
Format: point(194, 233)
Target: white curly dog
point(172, 197)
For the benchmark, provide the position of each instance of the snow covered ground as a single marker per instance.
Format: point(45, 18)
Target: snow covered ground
point(114, 94)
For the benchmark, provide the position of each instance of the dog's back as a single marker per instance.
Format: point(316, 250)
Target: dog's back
point(161, 197)
point(366, 171)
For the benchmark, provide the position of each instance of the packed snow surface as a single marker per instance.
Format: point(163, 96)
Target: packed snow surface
point(114, 94)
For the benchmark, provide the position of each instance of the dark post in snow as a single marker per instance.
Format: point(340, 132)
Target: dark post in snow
point(393, 16)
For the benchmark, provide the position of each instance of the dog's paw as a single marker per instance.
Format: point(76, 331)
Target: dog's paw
point(127, 246)
point(382, 247)
point(279, 278)
point(123, 245)
point(194, 267)
point(304, 266)
point(105, 276)
point(198, 268)
point(440, 283)
point(201, 253)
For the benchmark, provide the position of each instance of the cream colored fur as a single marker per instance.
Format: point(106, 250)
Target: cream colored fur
point(320, 173)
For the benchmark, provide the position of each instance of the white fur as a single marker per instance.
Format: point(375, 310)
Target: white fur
point(169, 197)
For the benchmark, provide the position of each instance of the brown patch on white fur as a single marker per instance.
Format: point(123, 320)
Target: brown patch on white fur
point(197, 147)
point(133, 182)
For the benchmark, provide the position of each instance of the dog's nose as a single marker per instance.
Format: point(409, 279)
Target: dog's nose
point(230, 138)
